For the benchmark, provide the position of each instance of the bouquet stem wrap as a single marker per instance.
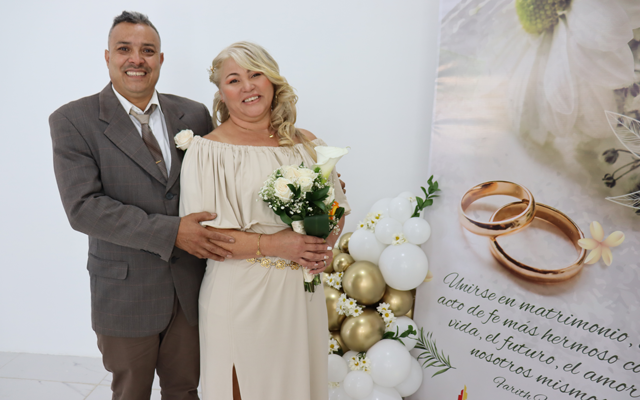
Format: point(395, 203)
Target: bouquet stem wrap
point(310, 280)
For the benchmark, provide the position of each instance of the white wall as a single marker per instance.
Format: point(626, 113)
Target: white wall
point(364, 71)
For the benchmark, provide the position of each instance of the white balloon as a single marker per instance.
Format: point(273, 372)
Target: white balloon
point(411, 385)
point(358, 384)
point(400, 209)
point(400, 325)
point(416, 230)
point(387, 229)
point(403, 267)
point(381, 206)
point(363, 246)
point(407, 195)
point(347, 356)
point(383, 393)
point(390, 362)
point(338, 394)
point(338, 368)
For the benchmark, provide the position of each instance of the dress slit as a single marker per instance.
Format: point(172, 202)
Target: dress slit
point(236, 386)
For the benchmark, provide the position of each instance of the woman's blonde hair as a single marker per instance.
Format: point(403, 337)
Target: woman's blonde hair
point(283, 106)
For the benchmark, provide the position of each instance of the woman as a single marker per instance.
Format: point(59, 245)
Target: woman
point(261, 335)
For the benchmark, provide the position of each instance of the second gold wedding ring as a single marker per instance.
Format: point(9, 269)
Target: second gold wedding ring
point(498, 227)
point(554, 217)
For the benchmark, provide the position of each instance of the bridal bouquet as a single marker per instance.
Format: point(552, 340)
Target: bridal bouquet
point(305, 200)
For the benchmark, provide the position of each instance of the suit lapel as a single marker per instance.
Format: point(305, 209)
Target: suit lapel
point(173, 118)
point(123, 133)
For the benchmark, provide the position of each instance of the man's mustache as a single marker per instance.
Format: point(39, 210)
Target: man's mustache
point(136, 67)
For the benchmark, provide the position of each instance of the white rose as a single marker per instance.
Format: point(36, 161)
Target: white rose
point(305, 183)
point(331, 196)
point(305, 173)
point(183, 139)
point(289, 172)
point(282, 190)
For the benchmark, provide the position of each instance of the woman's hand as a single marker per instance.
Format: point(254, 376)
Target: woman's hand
point(309, 251)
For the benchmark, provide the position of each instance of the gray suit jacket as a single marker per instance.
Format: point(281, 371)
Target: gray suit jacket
point(113, 191)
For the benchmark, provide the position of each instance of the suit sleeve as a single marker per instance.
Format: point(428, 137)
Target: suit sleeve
point(209, 120)
point(90, 211)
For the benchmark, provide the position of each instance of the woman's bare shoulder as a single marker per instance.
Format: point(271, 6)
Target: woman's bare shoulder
point(308, 135)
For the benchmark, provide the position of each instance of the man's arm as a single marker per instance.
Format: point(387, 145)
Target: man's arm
point(90, 211)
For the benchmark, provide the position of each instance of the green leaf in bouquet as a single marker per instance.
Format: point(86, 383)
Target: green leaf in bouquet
point(317, 225)
point(296, 217)
point(320, 194)
point(295, 190)
point(286, 219)
point(321, 206)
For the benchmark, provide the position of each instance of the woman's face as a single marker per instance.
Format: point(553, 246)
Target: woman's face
point(247, 94)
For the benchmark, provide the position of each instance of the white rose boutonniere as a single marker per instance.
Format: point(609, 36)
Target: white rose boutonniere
point(183, 139)
point(282, 191)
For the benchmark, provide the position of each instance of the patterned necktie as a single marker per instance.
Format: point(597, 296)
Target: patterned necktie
point(150, 140)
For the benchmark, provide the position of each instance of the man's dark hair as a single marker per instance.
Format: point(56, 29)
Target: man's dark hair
point(132, 17)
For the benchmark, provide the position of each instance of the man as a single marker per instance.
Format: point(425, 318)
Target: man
point(118, 175)
point(121, 189)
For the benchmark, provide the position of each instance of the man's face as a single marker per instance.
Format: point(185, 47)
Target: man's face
point(134, 60)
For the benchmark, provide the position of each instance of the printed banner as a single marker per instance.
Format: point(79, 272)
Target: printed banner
point(544, 94)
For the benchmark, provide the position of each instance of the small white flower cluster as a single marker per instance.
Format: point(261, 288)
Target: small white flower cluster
point(399, 239)
point(387, 315)
point(335, 280)
point(360, 362)
point(370, 221)
point(334, 385)
point(348, 306)
point(333, 345)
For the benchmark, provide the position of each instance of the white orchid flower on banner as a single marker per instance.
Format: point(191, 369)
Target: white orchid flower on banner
point(328, 157)
point(561, 60)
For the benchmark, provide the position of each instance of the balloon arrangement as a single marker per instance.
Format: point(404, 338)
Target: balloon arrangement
point(372, 280)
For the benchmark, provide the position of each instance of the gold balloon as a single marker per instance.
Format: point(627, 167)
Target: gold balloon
point(409, 314)
point(342, 261)
point(400, 301)
point(361, 332)
point(332, 295)
point(343, 242)
point(329, 268)
point(364, 282)
point(336, 336)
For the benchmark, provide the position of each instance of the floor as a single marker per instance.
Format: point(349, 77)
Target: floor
point(26, 376)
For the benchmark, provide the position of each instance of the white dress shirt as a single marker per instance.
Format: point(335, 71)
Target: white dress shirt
point(156, 123)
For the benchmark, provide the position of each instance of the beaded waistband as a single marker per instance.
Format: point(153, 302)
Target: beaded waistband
point(278, 263)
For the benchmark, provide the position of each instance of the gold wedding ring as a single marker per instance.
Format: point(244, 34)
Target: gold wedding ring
point(554, 217)
point(498, 226)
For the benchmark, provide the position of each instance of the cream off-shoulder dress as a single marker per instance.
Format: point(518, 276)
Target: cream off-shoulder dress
point(257, 318)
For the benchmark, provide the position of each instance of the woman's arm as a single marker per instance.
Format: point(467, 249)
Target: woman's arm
point(308, 251)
